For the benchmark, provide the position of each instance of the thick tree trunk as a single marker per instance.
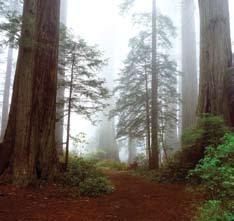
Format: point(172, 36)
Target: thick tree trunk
point(154, 109)
point(189, 65)
point(215, 58)
point(29, 141)
point(61, 90)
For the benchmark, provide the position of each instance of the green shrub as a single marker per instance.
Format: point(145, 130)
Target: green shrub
point(78, 170)
point(208, 132)
point(216, 175)
point(112, 165)
point(216, 170)
point(213, 211)
point(79, 173)
point(95, 186)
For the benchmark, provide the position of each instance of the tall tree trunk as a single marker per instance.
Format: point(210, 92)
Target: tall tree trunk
point(29, 141)
point(69, 115)
point(215, 58)
point(7, 84)
point(154, 108)
point(147, 111)
point(61, 90)
point(189, 65)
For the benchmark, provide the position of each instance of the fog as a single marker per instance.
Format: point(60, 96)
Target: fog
point(100, 23)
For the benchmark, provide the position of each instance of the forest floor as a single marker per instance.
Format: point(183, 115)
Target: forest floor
point(135, 199)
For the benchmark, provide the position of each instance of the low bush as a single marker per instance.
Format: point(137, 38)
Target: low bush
point(213, 210)
point(95, 186)
point(215, 174)
point(82, 172)
point(216, 171)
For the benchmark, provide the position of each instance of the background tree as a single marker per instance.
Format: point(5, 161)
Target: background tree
point(61, 91)
point(189, 65)
point(81, 64)
point(29, 141)
point(133, 104)
point(154, 164)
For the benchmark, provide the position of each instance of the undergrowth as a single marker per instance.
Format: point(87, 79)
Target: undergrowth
point(209, 132)
point(83, 178)
point(215, 174)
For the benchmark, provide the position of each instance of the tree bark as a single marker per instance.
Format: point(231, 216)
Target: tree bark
point(29, 141)
point(189, 65)
point(215, 57)
point(154, 108)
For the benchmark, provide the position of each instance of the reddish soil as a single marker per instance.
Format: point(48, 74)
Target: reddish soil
point(135, 199)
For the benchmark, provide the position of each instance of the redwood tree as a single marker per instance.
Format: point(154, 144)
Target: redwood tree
point(215, 57)
point(29, 142)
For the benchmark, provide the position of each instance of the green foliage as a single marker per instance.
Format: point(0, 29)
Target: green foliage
point(212, 210)
point(95, 186)
point(133, 100)
point(216, 175)
point(80, 66)
point(82, 177)
point(209, 131)
point(112, 165)
point(216, 170)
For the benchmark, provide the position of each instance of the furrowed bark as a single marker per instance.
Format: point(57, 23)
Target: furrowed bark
point(29, 141)
point(215, 58)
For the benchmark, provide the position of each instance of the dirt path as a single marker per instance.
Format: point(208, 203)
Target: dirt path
point(135, 199)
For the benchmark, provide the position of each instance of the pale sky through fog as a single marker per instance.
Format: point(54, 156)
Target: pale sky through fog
point(99, 22)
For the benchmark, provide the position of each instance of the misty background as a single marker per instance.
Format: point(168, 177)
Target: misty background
point(100, 23)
